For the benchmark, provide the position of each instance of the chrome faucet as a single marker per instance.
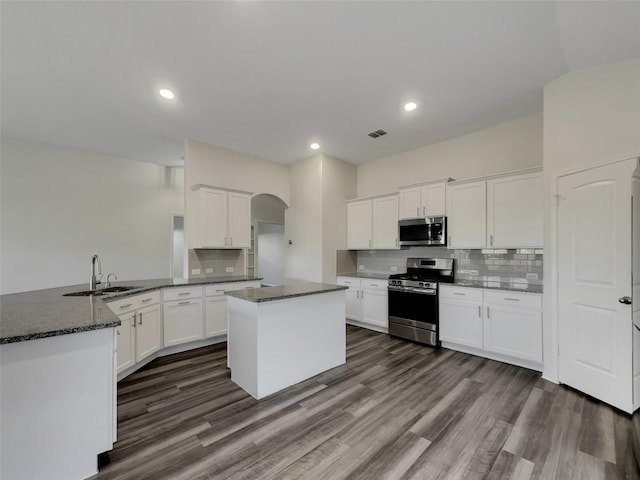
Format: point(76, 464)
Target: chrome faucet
point(107, 284)
point(93, 281)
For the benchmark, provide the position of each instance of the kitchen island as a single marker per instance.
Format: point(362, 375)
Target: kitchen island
point(279, 336)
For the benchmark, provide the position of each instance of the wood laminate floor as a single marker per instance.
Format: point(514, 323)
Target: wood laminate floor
point(396, 410)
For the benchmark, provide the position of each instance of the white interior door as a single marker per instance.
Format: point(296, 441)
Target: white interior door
point(635, 295)
point(594, 259)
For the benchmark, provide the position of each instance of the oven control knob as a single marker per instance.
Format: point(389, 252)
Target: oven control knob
point(421, 284)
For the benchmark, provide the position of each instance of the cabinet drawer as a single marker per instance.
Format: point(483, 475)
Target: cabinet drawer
point(181, 293)
point(461, 293)
point(348, 281)
point(220, 288)
point(514, 299)
point(134, 302)
point(373, 284)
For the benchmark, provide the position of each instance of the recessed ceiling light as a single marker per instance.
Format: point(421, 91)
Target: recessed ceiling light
point(315, 146)
point(410, 106)
point(166, 93)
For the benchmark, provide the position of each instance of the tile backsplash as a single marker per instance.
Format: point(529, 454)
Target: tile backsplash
point(522, 266)
point(217, 261)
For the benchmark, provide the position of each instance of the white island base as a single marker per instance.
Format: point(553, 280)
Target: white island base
point(273, 344)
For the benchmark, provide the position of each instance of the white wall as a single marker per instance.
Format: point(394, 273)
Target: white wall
point(271, 248)
point(591, 117)
point(303, 222)
point(339, 184)
point(60, 206)
point(510, 146)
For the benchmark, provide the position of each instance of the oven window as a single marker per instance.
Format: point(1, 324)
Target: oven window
point(414, 306)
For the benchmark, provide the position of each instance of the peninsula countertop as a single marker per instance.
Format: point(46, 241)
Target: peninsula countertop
point(281, 292)
point(47, 313)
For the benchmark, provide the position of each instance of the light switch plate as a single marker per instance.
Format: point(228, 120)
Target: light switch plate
point(394, 269)
point(532, 276)
point(360, 267)
point(208, 270)
point(195, 271)
point(474, 273)
point(229, 269)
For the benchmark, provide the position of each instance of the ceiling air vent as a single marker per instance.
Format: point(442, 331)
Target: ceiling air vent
point(377, 133)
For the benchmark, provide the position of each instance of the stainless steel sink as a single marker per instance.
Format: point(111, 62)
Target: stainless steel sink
point(100, 291)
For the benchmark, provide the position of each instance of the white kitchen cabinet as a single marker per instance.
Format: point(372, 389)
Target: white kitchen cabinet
point(515, 211)
point(499, 212)
point(498, 324)
point(366, 302)
point(140, 332)
point(461, 320)
point(427, 200)
point(215, 308)
point(467, 215)
point(373, 223)
point(183, 315)
point(222, 218)
point(513, 324)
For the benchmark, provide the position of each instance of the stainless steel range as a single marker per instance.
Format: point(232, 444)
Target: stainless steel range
point(413, 299)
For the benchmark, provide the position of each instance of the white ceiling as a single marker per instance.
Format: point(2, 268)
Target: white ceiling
point(268, 78)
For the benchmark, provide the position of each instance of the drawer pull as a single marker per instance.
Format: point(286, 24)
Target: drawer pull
point(458, 293)
point(125, 306)
point(479, 311)
point(512, 299)
point(184, 293)
point(147, 300)
point(184, 303)
point(221, 290)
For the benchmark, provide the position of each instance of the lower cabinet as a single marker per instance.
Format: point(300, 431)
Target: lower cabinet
point(183, 315)
point(366, 301)
point(140, 333)
point(215, 308)
point(498, 324)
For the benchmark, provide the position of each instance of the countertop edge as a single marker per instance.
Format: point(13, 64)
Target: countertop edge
point(58, 333)
point(239, 295)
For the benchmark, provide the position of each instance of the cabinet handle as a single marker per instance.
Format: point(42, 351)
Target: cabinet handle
point(231, 241)
point(424, 211)
point(361, 293)
point(369, 243)
point(140, 318)
point(222, 290)
point(458, 293)
point(118, 332)
point(479, 311)
point(488, 316)
point(184, 303)
point(512, 299)
point(184, 293)
point(418, 211)
point(397, 245)
point(491, 239)
point(146, 300)
point(125, 306)
point(449, 240)
point(134, 320)
point(346, 281)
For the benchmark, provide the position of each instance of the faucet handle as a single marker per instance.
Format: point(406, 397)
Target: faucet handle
point(108, 282)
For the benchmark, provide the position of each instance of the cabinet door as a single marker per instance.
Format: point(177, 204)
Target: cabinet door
point(434, 199)
point(148, 332)
point(183, 322)
point(239, 220)
point(461, 322)
point(359, 225)
point(514, 211)
point(125, 338)
point(213, 218)
point(385, 222)
point(216, 316)
point(513, 331)
point(467, 210)
point(410, 205)
point(352, 299)
point(375, 309)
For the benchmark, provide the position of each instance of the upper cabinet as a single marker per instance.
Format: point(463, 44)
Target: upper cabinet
point(426, 200)
point(222, 218)
point(373, 223)
point(499, 212)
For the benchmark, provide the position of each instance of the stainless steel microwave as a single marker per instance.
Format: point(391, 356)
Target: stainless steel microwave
point(430, 231)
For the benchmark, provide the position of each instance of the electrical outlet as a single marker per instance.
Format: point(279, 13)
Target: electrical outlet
point(229, 269)
point(195, 271)
point(532, 276)
point(208, 270)
point(474, 273)
point(360, 267)
point(394, 269)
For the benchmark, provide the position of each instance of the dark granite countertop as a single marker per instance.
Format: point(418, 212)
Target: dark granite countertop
point(501, 286)
point(47, 313)
point(376, 276)
point(268, 294)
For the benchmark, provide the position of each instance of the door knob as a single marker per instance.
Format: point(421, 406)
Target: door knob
point(625, 300)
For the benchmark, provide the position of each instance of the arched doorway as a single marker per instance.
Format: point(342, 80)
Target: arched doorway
point(266, 257)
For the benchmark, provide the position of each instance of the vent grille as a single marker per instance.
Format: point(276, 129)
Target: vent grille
point(377, 133)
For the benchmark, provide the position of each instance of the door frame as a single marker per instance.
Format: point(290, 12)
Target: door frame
point(551, 329)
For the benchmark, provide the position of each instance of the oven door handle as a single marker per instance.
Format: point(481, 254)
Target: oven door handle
point(420, 291)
